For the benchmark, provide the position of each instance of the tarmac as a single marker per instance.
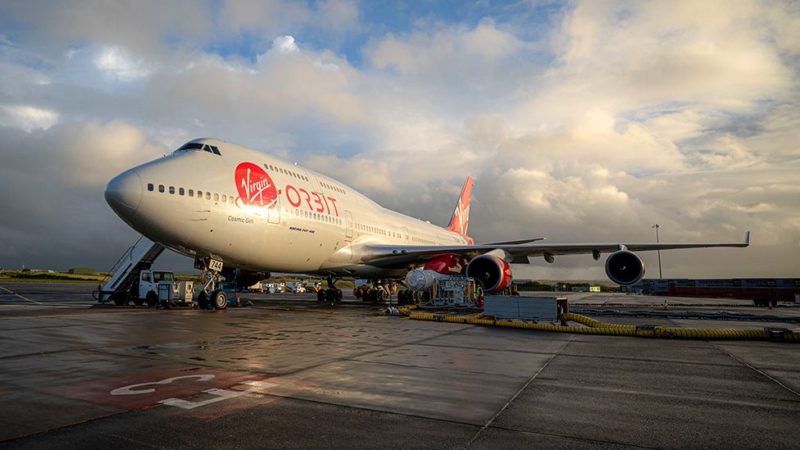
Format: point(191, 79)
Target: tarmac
point(290, 373)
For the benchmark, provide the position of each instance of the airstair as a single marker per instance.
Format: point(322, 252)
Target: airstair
point(140, 256)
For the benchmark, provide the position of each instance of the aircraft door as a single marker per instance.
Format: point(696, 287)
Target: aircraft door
point(348, 223)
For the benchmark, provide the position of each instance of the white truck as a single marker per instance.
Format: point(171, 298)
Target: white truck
point(155, 287)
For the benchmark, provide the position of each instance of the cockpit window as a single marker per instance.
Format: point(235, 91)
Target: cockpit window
point(191, 146)
point(200, 146)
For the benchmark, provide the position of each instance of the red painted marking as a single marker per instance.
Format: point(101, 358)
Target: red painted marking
point(99, 391)
point(255, 186)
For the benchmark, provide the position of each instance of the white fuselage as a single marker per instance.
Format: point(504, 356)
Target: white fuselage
point(259, 212)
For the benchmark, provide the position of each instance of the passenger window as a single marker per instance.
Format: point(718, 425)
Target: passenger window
point(172, 190)
point(160, 188)
point(181, 191)
point(191, 192)
point(216, 197)
point(199, 194)
point(208, 195)
point(224, 198)
point(150, 187)
point(271, 168)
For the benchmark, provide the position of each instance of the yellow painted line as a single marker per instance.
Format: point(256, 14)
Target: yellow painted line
point(20, 296)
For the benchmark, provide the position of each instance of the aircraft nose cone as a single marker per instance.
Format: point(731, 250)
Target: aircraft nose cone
point(124, 193)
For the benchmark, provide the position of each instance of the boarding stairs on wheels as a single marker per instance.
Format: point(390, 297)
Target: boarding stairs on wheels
point(140, 256)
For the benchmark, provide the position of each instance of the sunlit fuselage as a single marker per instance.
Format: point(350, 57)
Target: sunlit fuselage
point(259, 212)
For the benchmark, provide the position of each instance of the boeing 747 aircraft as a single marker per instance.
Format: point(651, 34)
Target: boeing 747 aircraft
point(230, 206)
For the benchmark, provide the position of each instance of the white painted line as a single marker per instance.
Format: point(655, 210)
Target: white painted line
point(219, 395)
point(129, 390)
point(20, 296)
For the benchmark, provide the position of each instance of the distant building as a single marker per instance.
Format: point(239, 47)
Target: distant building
point(780, 289)
point(81, 271)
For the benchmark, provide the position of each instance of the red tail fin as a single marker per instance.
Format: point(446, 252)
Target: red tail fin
point(459, 223)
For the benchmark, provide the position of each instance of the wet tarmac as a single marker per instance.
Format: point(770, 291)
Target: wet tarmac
point(289, 373)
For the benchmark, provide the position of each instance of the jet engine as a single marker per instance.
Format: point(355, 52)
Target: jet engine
point(624, 267)
point(493, 273)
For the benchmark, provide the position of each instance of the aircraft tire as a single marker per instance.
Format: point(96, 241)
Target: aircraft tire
point(151, 299)
point(202, 300)
point(321, 295)
point(339, 295)
point(219, 299)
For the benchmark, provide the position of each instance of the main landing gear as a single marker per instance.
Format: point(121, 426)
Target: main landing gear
point(211, 297)
point(331, 294)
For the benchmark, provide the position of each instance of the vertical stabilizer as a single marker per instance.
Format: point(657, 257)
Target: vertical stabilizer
point(459, 223)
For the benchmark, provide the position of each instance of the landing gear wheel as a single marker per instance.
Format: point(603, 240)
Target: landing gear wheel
point(321, 295)
point(219, 299)
point(333, 295)
point(152, 299)
point(202, 300)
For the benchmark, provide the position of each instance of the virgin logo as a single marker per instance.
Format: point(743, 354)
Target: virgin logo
point(255, 186)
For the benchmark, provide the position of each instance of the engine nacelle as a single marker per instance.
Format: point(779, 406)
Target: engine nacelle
point(624, 267)
point(493, 273)
point(447, 264)
point(420, 279)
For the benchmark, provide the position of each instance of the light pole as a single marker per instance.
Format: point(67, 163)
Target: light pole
point(660, 276)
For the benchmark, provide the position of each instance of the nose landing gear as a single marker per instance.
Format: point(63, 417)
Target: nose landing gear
point(211, 297)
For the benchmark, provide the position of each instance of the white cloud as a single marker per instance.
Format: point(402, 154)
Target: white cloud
point(616, 116)
point(27, 117)
point(118, 64)
point(284, 44)
point(445, 51)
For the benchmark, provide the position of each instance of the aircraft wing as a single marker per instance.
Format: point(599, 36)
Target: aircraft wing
point(383, 255)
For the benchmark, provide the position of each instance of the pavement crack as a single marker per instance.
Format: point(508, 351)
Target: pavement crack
point(757, 370)
point(514, 397)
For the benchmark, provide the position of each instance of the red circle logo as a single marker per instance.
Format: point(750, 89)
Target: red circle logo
point(255, 186)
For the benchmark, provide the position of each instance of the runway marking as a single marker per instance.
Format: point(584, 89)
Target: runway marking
point(20, 296)
point(128, 390)
point(143, 390)
point(218, 395)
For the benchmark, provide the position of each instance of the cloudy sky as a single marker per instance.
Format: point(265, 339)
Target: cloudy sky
point(580, 121)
